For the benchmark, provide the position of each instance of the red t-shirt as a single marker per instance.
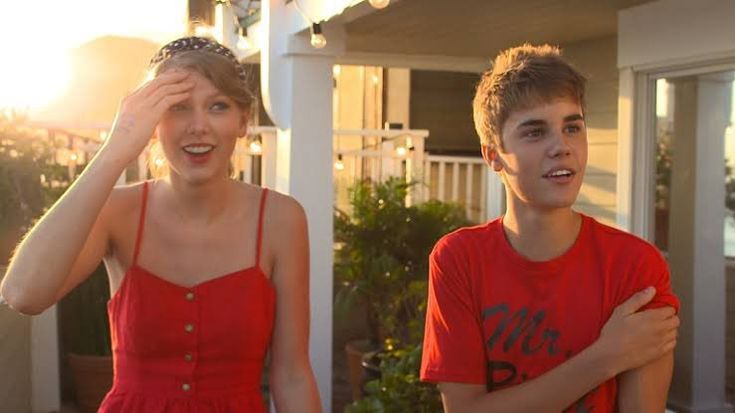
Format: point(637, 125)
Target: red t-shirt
point(498, 319)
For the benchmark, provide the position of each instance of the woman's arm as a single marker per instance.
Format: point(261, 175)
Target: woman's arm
point(68, 242)
point(292, 380)
point(628, 340)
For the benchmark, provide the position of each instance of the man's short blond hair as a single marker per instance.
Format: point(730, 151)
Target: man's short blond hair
point(520, 78)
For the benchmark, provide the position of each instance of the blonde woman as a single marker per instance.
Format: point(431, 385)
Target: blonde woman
point(207, 274)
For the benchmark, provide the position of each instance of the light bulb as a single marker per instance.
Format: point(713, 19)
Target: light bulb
point(339, 165)
point(159, 162)
point(318, 41)
point(401, 151)
point(379, 4)
point(256, 147)
point(317, 38)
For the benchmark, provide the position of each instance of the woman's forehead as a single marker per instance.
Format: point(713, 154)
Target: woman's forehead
point(202, 83)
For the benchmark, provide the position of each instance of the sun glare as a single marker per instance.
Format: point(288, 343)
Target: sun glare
point(41, 35)
point(35, 83)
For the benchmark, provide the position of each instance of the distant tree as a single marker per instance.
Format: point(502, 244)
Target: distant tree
point(29, 179)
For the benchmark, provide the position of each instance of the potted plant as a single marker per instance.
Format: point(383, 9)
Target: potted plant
point(381, 265)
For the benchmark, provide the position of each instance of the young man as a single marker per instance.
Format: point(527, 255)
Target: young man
point(545, 309)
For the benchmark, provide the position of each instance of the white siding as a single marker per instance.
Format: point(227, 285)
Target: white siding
point(596, 59)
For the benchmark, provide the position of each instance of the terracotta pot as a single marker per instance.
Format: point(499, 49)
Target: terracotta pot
point(361, 362)
point(92, 377)
point(356, 351)
point(370, 366)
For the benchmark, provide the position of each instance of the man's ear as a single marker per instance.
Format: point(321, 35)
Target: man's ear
point(492, 157)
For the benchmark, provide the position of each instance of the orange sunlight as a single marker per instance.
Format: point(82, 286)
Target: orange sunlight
point(40, 34)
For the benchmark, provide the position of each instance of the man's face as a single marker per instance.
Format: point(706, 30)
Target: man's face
point(544, 155)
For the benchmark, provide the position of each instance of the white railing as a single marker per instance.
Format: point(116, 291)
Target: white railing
point(460, 179)
point(379, 154)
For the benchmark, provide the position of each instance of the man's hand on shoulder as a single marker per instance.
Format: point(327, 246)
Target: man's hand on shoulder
point(631, 339)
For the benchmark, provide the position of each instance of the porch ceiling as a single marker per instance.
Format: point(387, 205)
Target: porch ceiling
point(479, 28)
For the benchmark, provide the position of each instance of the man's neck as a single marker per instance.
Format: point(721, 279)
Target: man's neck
point(541, 235)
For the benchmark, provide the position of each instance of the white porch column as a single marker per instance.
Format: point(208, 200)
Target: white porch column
point(304, 170)
point(701, 114)
point(297, 83)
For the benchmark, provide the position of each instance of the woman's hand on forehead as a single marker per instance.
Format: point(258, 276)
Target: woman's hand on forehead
point(140, 111)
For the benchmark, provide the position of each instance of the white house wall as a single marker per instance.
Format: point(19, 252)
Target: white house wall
point(596, 59)
point(675, 32)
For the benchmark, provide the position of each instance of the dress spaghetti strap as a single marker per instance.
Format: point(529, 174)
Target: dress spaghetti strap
point(263, 195)
point(141, 223)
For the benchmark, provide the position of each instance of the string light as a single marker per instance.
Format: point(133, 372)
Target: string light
point(318, 40)
point(379, 4)
point(256, 147)
point(317, 37)
point(339, 165)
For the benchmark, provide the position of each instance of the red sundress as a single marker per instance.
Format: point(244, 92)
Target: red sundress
point(198, 349)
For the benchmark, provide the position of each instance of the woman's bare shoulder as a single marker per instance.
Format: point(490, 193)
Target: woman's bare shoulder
point(122, 208)
point(278, 208)
point(124, 197)
point(284, 209)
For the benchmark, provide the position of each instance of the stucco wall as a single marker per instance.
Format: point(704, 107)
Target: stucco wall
point(15, 361)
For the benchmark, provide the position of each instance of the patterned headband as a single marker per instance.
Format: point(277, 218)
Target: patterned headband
point(198, 43)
